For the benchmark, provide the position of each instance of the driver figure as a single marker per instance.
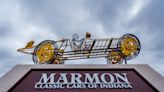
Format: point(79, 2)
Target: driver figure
point(87, 42)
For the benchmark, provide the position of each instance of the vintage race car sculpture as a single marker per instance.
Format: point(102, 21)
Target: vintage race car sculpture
point(115, 50)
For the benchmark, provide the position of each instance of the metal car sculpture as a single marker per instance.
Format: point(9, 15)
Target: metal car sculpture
point(115, 50)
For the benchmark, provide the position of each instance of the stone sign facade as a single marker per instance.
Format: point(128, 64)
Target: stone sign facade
point(82, 78)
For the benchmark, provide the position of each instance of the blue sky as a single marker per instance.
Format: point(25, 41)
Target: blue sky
point(38, 20)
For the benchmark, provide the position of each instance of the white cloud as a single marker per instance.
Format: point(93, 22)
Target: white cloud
point(21, 32)
point(65, 18)
point(137, 6)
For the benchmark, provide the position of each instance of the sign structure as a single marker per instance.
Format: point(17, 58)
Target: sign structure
point(82, 78)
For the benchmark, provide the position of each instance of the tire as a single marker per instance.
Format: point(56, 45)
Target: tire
point(128, 46)
point(40, 52)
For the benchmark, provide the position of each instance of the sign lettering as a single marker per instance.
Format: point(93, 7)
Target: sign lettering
point(86, 80)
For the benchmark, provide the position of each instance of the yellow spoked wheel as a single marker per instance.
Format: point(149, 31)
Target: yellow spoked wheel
point(114, 58)
point(129, 46)
point(44, 52)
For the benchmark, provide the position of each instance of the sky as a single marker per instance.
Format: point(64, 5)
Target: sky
point(24, 20)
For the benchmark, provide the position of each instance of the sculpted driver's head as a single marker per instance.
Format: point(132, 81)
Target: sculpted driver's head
point(88, 35)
